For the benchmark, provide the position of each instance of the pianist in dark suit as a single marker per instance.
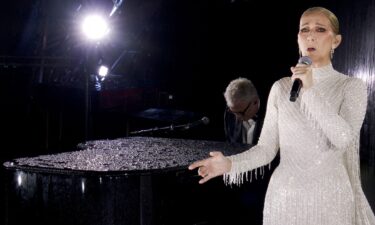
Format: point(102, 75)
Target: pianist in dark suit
point(241, 122)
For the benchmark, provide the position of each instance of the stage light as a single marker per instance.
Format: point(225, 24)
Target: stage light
point(103, 71)
point(95, 27)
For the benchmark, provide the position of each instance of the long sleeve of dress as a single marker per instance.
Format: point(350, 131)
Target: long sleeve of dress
point(340, 127)
point(266, 149)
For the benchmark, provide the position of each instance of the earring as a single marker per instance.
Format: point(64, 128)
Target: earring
point(300, 53)
point(332, 52)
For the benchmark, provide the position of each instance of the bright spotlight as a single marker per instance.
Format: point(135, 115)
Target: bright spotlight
point(95, 27)
point(103, 71)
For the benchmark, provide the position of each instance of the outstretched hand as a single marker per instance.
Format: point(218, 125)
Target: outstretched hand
point(211, 167)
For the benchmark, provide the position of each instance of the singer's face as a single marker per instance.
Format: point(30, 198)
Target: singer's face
point(316, 38)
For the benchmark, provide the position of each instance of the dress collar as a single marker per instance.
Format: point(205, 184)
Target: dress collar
point(323, 72)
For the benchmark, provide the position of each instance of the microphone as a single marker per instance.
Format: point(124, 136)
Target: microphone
point(155, 129)
point(297, 84)
point(172, 127)
point(204, 121)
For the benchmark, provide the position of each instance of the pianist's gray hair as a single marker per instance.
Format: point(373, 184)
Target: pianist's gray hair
point(240, 89)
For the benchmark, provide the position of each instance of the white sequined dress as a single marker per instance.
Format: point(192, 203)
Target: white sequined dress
point(317, 181)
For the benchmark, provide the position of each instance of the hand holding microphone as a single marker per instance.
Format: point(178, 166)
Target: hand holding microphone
point(302, 77)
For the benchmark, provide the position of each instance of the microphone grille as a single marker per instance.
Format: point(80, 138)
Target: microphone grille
point(305, 60)
point(205, 120)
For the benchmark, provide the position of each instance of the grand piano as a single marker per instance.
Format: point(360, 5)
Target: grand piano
point(125, 181)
